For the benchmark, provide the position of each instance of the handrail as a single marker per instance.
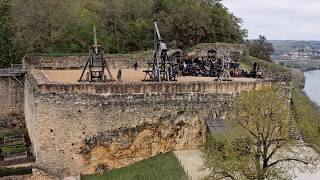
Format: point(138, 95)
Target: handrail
point(15, 69)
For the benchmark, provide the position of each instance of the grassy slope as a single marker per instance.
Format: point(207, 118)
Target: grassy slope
point(164, 166)
point(307, 113)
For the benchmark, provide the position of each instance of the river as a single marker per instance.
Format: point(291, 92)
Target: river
point(312, 86)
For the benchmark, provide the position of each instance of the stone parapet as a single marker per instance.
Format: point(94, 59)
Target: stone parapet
point(38, 61)
point(46, 86)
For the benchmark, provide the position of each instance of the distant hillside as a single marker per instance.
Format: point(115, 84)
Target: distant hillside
point(284, 46)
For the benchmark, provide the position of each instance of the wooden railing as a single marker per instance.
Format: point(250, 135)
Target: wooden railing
point(14, 70)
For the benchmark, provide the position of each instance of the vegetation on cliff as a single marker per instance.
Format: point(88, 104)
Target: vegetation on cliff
point(255, 134)
point(269, 69)
point(50, 26)
point(307, 113)
point(9, 52)
point(163, 166)
point(260, 48)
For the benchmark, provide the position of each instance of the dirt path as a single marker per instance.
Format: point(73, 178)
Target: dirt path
point(128, 75)
point(192, 164)
point(300, 171)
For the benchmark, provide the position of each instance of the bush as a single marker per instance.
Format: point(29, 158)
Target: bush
point(15, 171)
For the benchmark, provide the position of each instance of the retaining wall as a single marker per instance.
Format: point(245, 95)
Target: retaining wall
point(76, 128)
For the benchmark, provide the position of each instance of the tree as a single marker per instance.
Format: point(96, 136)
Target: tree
point(50, 26)
point(256, 134)
point(46, 26)
point(260, 48)
point(8, 52)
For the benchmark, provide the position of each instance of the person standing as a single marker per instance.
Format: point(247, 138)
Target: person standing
point(119, 76)
point(136, 66)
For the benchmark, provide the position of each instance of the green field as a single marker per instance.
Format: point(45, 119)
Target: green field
point(164, 166)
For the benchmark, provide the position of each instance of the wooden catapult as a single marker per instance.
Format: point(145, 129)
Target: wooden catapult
point(161, 68)
point(96, 65)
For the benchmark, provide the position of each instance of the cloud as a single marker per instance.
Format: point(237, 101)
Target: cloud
point(278, 19)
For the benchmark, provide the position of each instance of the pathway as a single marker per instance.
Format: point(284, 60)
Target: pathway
point(192, 163)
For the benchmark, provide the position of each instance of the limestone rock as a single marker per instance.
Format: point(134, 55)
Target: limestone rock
point(131, 145)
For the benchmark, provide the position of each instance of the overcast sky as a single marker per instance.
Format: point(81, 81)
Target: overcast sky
point(279, 19)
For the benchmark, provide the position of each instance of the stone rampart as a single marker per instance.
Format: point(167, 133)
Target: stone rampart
point(38, 61)
point(75, 128)
point(45, 85)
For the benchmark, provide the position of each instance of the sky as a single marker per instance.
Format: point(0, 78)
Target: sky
point(278, 19)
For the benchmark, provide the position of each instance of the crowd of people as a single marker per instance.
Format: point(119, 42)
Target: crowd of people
point(213, 66)
point(210, 65)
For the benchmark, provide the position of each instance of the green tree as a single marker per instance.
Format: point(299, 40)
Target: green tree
point(8, 51)
point(255, 135)
point(123, 26)
point(260, 48)
point(51, 26)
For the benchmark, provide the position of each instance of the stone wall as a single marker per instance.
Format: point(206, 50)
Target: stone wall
point(76, 128)
point(11, 102)
point(38, 61)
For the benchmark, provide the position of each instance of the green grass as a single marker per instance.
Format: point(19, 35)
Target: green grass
point(15, 171)
point(13, 149)
point(164, 166)
point(307, 115)
point(12, 132)
point(306, 112)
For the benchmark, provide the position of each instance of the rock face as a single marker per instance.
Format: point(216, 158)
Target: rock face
point(126, 146)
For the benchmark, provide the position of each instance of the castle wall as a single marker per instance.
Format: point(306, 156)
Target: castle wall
point(36, 61)
point(115, 61)
point(11, 102)
point(75, 128)
point(30, 111)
